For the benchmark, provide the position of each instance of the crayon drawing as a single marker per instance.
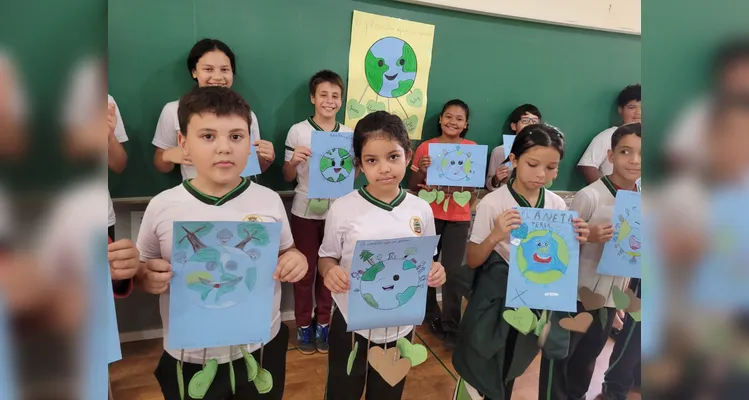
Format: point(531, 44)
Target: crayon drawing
point(544, 256)
point(389, 62)
point(457, 165)
point(222, 289)
point(332, 170)
point(622, 254)
point(389, 282)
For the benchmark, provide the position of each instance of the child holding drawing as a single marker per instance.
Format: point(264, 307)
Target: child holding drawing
point(452, 222)
point(498, 172)
point(308, 215)
point(380, 210)
point(491, 354)
point(215, 133)
point(570, 377)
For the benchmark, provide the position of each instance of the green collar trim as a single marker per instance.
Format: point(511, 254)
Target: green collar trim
point(317, 127)
point(217, 201)
point(385, 206)
point(522, 201)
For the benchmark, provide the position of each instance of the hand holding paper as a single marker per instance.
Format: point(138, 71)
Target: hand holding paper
point(292, 266)
point(336, 280)
point(156, 276)
point(581, 228)
point(437, 275)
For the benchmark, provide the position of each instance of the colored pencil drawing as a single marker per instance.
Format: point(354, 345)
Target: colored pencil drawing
point(331, 165)
point(544, 256)
point(622, 254)
point(457, 165)
point(222, 274)
point(389, 282)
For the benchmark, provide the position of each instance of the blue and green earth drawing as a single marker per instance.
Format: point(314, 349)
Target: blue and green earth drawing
point(390, 67)
point(336, 164)
point(544, 257)
point(456, 165)
point(388, 284)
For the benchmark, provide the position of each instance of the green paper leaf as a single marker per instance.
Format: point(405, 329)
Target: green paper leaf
point(522, 319)
point(251, 364)
point(263, 381)
point(603, 314)
point(637, 316)
point(462, 198)
point(540, 324)
point(415, 99)
point(440, 196)
point(180, 381)
point(318, 206)
point(202, 380)
point(354, 109)
point(373, 106)
point(411, 123)
point(429, 197)
point(352, 358)
point(415, 353)
point(445, 204)
point(231, 377)
point(621, 300)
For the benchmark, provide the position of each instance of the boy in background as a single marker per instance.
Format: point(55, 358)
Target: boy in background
point(498, 173)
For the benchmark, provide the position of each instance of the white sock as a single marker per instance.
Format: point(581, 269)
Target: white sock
point(304, 327)
point(323, 325)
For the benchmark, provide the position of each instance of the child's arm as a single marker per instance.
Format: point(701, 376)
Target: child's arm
point(334, 277)
point(124, 263)
point(488, 233)
point(421, 162)
point(585, 206)
point(266, 154)
point(117, 157)
point(294, 155)
point(497, 173)
point(292, 265)
point(593, 158)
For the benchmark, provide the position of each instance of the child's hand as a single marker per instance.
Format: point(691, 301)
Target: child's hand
point(618, 323)
point(292, 266)
point(336, 280)
point(581, 228)
point(502, 173)
point(124, 259)
point(505, 223)
point(111, 118)
point(175, 156)
point(437, 275)
point(424, 163)
point(265, 150)
point(600, 233)
point(301, 153)
point(156, 275)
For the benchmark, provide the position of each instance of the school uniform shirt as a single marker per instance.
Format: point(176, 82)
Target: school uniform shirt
point(300, 134)
point(595, 204)
point(248, 202)
point(454, 211)
point(121, 136)
point(496, 160)
point(597, 153)
point(359, 216)
point(167, 130)
point(687, 137)
point(505, 198)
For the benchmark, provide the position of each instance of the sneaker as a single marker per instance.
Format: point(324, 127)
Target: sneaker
point(305, 340)
point(435, 328)
point(322, 338)
point(451, 340)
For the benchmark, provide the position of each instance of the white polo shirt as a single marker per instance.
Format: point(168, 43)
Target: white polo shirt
point(167, 130)
point(505, 198)
point(184, 203)
point(359, 216)
point(300, 134)
point(121, 136)
point(596, 155)
point(595, 204)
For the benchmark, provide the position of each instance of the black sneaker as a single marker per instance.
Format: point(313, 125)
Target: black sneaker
point(435, 328)
point(451, 340)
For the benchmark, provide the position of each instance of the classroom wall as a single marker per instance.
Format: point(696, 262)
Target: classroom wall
point(493, 64)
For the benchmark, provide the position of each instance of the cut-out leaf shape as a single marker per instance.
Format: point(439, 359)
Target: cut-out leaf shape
point(411, 123)
point(521, 232)
point(445, 205)
point(354, 109)
point(202, 380)
point(231, 377)
point(251, 364)
point(383, 362)
point(580, 323)
point(373, 106)
point(318, 206)
point(635, 304)
point(637, 316)
point(180, 381)
point(415, 353)
point(462, 198)
point(621, 300)
point(416, 98)
point(604, 316)
point(440, 196)
point(540, 324)
point(522, 319)
point(428, 196)
point(352, 358)
point(263, 381)
point(590, 299)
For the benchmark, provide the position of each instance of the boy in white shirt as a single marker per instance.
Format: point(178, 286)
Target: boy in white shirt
point(595, 204)
point(594, 163)
point(308, 215)
point(215, 134)
point(210, 63)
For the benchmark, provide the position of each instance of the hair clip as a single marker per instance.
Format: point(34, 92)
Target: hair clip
point(557, 130)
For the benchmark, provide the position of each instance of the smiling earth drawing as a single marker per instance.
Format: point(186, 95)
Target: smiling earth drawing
point(390, 67)
point(389, 284)
point(336, 165)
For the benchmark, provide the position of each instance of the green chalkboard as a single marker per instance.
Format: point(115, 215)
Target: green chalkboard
point(493, 64)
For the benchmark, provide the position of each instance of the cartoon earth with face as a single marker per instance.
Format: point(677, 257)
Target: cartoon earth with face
point(456, 165)
point(543, 257)
point(336, 164)
point(220, 277)
point(389, 284)
point(629, 239)
point(390, 67)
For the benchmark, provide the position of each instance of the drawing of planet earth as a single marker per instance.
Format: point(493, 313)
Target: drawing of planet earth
point(336, 164)
point(543, 257)
point(219, 277)
point(389, 284)
point(456, 165)
point(629, 238)
point(390, 67)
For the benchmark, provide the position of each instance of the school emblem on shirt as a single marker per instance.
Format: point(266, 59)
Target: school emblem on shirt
point(416, 225)
point(252, 218)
